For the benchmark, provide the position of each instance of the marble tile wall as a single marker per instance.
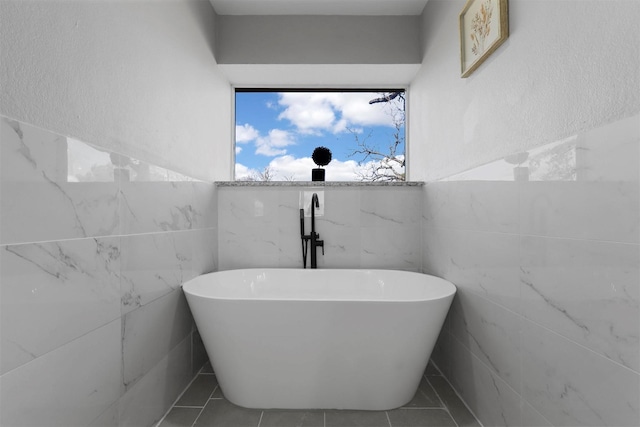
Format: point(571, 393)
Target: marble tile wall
point(544, 249)
point(93, 249)
point(362, 226)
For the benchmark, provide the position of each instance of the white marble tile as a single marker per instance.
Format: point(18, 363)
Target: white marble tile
point(491, 333)
point(73, 210)
point(382, 206)
point(248, 227)
point(164, 206)
point(150, 398)
point(290, 246)
point(28, 153)
point(70, 386)
point(109, 418)
point(129, 169)
point(247, 247)
point(205, 205)
point(487, 395)
point(151, 332)
point(35, 174)
point(55, 292)
point(87, 163)
point(343, 245)
point(394, 246)
point(472, 205)
point(262, 228)
point(154, 265)
point(484, 263)
point(532, 418)
point(581, 210)
point(587, 291)
point(435, 258)
point(572, 386)
point(608, 153)
point(247, 206)
point(342, 207)
point(205, 250)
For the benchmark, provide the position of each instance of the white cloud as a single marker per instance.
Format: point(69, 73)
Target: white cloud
point(356, 110)
point(285, 168)
point(289, 168)
point(274, 144)
point(238, 149)
point(246, 133)
point(333, 111)
point(243, 172)
point(309, 112)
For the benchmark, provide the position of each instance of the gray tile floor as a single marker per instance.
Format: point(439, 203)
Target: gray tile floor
point(203, 405)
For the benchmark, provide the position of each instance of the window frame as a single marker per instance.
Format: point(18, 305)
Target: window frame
point(304, 89)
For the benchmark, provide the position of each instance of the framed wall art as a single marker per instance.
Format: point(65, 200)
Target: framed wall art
point(484, 25)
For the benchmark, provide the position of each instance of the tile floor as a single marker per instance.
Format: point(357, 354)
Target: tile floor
point(203, 405)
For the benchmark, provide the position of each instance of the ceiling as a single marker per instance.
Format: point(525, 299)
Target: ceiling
point(318, 7)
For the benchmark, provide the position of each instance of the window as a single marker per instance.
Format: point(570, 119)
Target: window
point(278, 130)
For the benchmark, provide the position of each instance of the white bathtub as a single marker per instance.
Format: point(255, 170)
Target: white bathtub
point(330, 339)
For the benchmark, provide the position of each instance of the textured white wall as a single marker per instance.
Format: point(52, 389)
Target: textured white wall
point(567, 66)
point(135, 77)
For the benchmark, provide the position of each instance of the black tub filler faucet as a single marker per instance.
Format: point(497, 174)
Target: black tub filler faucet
point(313, 237)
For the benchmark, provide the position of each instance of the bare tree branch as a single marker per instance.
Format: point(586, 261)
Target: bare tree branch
point(382, 165)
point(385, 98)
point(264, 175)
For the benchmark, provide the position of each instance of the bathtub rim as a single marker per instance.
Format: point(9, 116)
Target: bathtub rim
point(448, 288)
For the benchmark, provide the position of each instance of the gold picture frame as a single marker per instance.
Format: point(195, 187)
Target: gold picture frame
point(484, 26)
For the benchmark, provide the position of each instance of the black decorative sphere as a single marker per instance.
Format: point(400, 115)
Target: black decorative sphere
point(321, 156)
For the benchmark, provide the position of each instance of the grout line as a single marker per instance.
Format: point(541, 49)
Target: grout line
point(214, 391)
point(421, 408)
point(106, 236)
point(462, 400)
point(173, 405)
point(64, 344)
point(190, 406)
point(519, 234)
point(260, 420)
point(446, 408)
point(388, 418)
point(199, 414)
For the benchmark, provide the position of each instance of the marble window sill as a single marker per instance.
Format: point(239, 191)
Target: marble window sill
point(317, 184)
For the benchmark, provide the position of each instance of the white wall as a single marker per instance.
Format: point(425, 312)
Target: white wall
point(567, 66)
point(544, 249)
point(135, 77)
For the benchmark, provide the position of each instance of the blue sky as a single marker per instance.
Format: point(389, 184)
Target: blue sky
point(281, 130)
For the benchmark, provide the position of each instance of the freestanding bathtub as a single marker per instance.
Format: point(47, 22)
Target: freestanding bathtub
point(323, 339)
